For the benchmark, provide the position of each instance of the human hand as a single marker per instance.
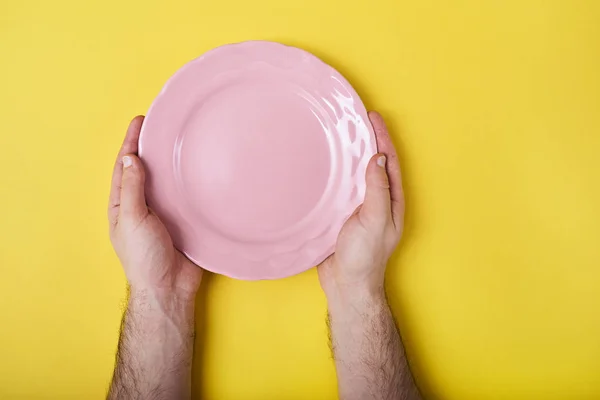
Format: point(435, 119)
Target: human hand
point(370, 235)
point(141, 241)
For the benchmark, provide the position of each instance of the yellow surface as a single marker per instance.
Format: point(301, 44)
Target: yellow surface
point(495, 107)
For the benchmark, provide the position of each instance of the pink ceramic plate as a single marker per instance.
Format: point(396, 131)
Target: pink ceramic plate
point(255, 155)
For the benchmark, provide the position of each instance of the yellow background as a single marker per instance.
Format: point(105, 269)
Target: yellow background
point(495, 109)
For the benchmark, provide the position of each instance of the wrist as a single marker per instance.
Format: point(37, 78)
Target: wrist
point(360, 297)
point(158, 314)
point(347, 286)
point(165, 298)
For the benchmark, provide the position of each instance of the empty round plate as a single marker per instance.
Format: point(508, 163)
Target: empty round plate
point(255, 155)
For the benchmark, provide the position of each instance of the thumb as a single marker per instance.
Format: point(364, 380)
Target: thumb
point(376, 206)
point(133, 199)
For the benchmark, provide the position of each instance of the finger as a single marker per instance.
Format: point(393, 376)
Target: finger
point(376, 206)
point(133, 199)
point(385, 146)
point(130, 146)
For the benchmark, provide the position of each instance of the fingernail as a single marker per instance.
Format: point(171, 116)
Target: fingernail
point(381, 161)
point(127, 162)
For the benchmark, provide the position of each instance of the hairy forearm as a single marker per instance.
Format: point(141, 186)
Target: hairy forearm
point(154, 358)
point(369, 356)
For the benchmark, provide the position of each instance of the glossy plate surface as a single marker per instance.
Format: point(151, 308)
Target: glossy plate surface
point(255, 156)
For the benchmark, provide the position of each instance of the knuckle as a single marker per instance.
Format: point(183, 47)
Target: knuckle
point(379, 180)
